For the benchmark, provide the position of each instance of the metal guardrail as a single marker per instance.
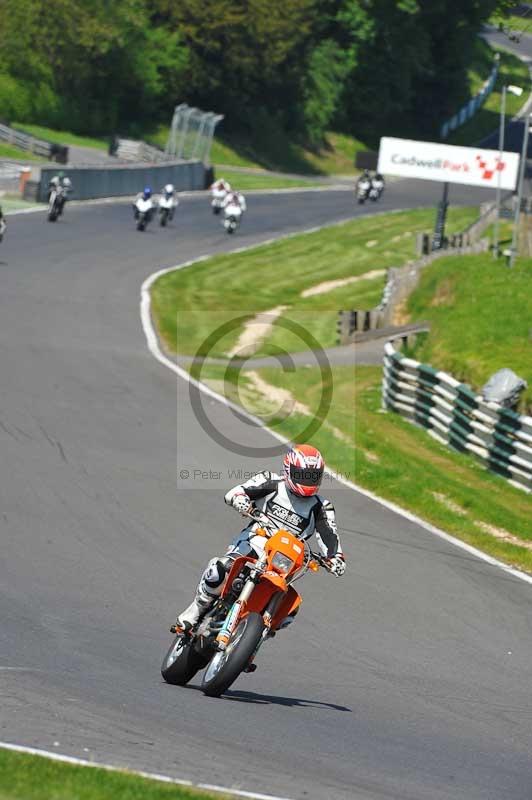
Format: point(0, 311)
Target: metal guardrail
point(138, 151)
point(454, 415)
point(25, 142)
point(471, 108)
point(401, 281)
point(48, 150)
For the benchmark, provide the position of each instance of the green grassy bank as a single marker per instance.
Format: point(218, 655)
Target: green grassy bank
point(189, 304)
point(478, 309)
point(511, 71)
point(28, 777)
point(386, 454)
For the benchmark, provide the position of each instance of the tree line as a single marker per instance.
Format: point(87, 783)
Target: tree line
point(366, 67)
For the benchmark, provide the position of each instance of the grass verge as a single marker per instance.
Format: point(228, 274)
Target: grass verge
point(478, 309)
point(28, 777)
point(8, 151)
point(272, 149)
point(481, 315)
point(15, 203)
point(512, 23)
point(189, 304)
point(61, 137)
point(384, 453)
point(512, 71)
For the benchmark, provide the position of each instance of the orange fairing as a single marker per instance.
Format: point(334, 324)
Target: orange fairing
point(273, 579)
point(287, 544)
point(238, 563)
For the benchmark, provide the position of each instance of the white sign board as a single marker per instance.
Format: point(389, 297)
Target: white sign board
point(431, 161)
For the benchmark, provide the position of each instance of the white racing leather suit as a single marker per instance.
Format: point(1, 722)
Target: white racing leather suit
point(303, 516)
point(234, 204)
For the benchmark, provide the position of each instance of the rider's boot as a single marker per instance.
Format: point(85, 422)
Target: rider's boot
point(208, 591)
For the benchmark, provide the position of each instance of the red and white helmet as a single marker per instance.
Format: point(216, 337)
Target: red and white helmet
point(303, 469)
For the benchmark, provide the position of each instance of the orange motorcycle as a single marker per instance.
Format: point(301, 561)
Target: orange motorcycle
point(258, 594)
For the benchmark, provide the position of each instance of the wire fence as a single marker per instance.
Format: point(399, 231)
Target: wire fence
point(191, 133)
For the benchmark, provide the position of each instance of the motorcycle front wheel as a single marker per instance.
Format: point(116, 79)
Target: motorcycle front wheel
point(181, 662)
point(225, 666)
point(163, 217)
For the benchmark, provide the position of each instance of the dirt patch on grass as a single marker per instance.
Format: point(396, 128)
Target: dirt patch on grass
point(255, 331)
point(286, 402)
point(400, 236)
point(401, 315)
point(503, 535)
point(328, 286)
point(448, 503)
point(444, 295)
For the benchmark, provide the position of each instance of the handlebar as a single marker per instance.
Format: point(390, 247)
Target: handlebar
point(263, 519)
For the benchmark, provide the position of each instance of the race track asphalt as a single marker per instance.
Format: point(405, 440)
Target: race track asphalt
point(408, 679)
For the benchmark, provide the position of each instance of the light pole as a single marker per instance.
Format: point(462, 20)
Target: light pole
point(520, 184)
point(518, 92)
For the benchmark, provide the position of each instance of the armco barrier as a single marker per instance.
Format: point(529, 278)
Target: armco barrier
point(92, 182)
point(455, 416)
point(50, 150)
point(471, 108)
point(401, 281)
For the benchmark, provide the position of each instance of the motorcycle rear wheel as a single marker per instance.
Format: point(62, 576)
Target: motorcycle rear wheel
point(181, 662)
point(225, 667)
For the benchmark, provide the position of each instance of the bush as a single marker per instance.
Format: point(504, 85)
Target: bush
point(14, 99)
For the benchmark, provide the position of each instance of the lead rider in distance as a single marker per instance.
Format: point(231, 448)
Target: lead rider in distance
point(292, 501)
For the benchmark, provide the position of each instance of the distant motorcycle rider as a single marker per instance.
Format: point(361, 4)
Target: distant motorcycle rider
point(364, 181)
point(235, 199)
point(168, 203)
point(292, 502)
point(3, 224)
point(62, 185)
point(221, 185)
point(219, 191)
point(60, 182)
point(169, 192)
point(146, 197)
point(377, 182)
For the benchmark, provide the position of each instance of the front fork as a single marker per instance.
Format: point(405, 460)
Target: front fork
point(271, 608)
point(233, 617)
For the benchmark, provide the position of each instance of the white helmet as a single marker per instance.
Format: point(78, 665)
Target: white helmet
point(169, 188)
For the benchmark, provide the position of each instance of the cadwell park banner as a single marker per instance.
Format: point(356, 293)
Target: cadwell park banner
point(432, 161)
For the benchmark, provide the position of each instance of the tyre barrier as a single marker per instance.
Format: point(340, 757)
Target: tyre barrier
point(454, 415)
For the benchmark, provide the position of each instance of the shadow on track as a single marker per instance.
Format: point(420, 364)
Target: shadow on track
point(271, 699)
